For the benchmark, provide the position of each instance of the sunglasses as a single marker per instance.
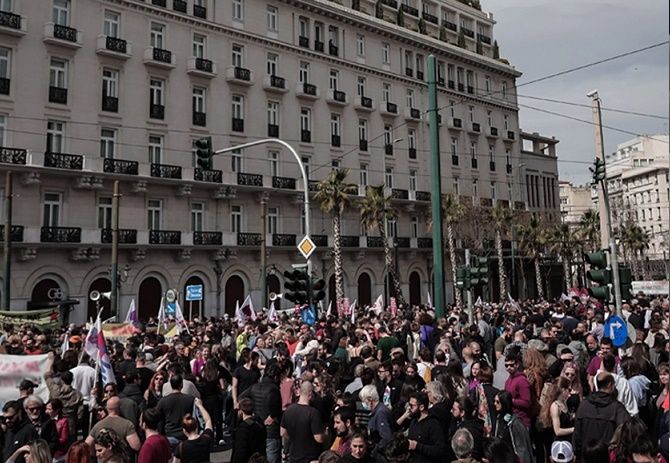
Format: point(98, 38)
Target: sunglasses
point(510, 365)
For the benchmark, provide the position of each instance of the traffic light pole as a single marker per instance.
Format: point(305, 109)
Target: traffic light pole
point(469, 290)
point(303, 173)
point(606, 236)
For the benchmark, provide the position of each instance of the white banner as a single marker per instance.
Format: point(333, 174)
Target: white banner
point(650, 287)
point(16, 368)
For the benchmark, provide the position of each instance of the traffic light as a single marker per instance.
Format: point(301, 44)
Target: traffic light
point(296, 286)
point(479, 272)
point(463, 277)
point(625, 282)
point(598, 170)
point(204, 153)
point(318, 291)
point(600, 274)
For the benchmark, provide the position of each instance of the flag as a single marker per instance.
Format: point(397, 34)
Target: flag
point(273, 317)
point(430, 302)
point(179, 318)
point(245, 312)
point(479, 302)
point(512, 302)
point(66, 343)
point(393, 306)
point(131, 316)
point(103, 358)
point(347, 306)
point(330, 308)
point(378, 306)
point(353, 311)
point(91, 341)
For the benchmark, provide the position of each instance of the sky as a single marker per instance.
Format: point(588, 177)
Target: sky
point(542, 37)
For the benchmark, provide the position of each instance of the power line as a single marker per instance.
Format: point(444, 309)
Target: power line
point(570, 103)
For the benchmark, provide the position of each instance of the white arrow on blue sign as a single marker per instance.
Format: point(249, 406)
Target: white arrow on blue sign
point(194, 293)
point(617, 330)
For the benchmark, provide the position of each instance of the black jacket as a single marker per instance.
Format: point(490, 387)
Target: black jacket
point(429, 436)
point(46, 428)
point(18, 436)
point(249, 438)
point(597, 417)
point(134, 393)
point(267, 402)
point(394, 385)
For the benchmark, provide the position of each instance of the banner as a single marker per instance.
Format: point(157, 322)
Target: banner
point(118, 331)
point(650, 288)
point(47, 318)
point(16, 368)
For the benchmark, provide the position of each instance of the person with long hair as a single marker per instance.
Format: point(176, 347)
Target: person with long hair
point(555, 414)
point(572, 373)
point(110, 448)
point(626, 439)
point(535, 368)
point(245, 375)
point(36, 451)
point(196, 448)
point(79, 452)
point(54, 410)
point(511, 429)
point(154, 392)
point(212, 396)
point(639, 384)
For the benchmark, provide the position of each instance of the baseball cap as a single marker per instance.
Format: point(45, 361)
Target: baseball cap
point(561, 452)
point(27, 384)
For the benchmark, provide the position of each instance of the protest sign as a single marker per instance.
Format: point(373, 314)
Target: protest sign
point(16, 368)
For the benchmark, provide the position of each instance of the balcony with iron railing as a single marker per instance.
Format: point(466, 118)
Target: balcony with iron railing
point(412, 153)
point(510, 135)
point(249, 239)
point(245, 179)
point(275, 84)
point(284, 183)
point(392, 3)
point(237, 124)
point(69, 34)
point(16, 156)
point(397, 193)
point(200, 11)
point(364, 103)
point(455, 123)
point(15, 234)
point(492, 166)
point(335, 140)
point(205, 175)
point(474, 163)
point(388, 149)
point(374, 242)
point(431, 18)
point(114, 47)
point(169, 237)
point(57, 95)
point(165, 171)
point(156, 111)
point(319, 46)
point(401, 242)
point(110, 104)
point(450, 26)
point(333, 49)
point(484, 39)
point(306, 136)
point(159, 57)
point(161, 3)
point(475, 128)
point(419, 74)
point(422, 195)
point(63, 161)
point(461, 87)
point(179, 5)
point(120, 166)
point(363, 145)
point(126, 236)
point(11, 21)
point(307, 91)
point(409, 72)
point(60, 235)
point(283, 239)
point(508, 168)
point(303, 41)
point(199, 118)
point(239, 76)
point(493, 132)
point(389, 109)
point(337, 97)
point(320, 240)
point(451, 84)
point(201, 67)
point(350, 241)
point(207, 238)
point(454, 160)
point(468, 32)
point(422, 242)
point(409, 9)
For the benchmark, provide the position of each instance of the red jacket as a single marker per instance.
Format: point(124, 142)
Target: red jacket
point(522, 400)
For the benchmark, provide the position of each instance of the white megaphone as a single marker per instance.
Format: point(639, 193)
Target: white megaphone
point(97, 295)
point(275, 296)
point(171, 295)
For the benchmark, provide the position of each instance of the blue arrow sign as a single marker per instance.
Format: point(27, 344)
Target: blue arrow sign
point(194, 293)
point(617, 330)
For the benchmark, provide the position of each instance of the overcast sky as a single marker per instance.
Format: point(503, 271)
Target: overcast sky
point(541, 37)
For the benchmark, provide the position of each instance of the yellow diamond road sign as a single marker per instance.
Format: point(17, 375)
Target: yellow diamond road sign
point(306, 247)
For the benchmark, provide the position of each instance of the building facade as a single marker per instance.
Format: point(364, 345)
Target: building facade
point(93, 91)
point(574, 200)
point(637, 182)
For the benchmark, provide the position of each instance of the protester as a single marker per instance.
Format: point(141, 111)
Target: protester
point(197, 446)
point(34, 452)
point(301, 424)
point(156, 448)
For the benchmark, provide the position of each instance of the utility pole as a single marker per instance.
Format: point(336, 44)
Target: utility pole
point(114, 299)
point(469, 290)
point(606, 236)
point(436, 188)
point(7, 246)
point(264, 224)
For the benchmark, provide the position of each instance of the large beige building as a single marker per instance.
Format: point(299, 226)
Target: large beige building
point(637, 181)
point(93, 91)
point(575, 201)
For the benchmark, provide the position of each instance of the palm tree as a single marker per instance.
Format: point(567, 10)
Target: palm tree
point(332, 194)
point(376, 210)
point(563, 242)
point(501, 217)
point(532, 240)
point(452, 212)
point(589, 229)
point(637, 242)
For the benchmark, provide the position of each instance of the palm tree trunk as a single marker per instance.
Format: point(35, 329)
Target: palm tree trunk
point(501, 267)
point(566, 273)
point(524, 283)
point(452, 259)
point(337, 257)
point(388, 260)
point(645, 273)
point(538, 278)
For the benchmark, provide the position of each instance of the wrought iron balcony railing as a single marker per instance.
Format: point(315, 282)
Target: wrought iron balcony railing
point(277, 82)
point(126, 236)
point(10, 20)
point(156, 111)
point(424, 242)
point(200, 11)
point(375, 242)
point(65, 33)
point(422, 195)
point(286, 183)
point(397, 193)
point(273, 130)
point(110, 104)
point(120, 166)
point(179, 5)
point(203, 175)
point(401, 242)
point(203, 64)
point(164, 237)
point(280, 239)
point(63, 161)
point(238, 124)
point(165, 171)
point(249, 239)
point(116, 44)
point(249, 179)
point(208, 238)
point(13, 155)
point(57, 95)
point(60, 235)
point(320, 240)
point(199, 118)
point(4, 85)
point(350, 241)
point(164, 56)
point(16, 233)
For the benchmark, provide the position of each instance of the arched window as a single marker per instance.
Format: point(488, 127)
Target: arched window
point(364, 289)
point(234, 292)
point(149, 301)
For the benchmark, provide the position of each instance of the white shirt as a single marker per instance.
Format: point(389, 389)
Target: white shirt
point(83, 380)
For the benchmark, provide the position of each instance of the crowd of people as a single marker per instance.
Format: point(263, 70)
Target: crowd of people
point(531, 382)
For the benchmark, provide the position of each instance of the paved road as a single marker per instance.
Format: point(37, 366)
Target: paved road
point(220, 457)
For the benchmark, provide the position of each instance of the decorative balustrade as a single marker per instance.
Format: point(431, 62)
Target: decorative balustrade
point(374, 241)
point(350, 241)
point(60, 235)
point(208, 238)
point(286, 183)
point(13, 155)
point(249, 179)
point(424, 243)
point(204, 175)
point(280, 239)
point(164, 237)
point(249, 239)
point(15, 234)
point(63, 161)
point(126, 236)
point(165, 171)
point(120, 166)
